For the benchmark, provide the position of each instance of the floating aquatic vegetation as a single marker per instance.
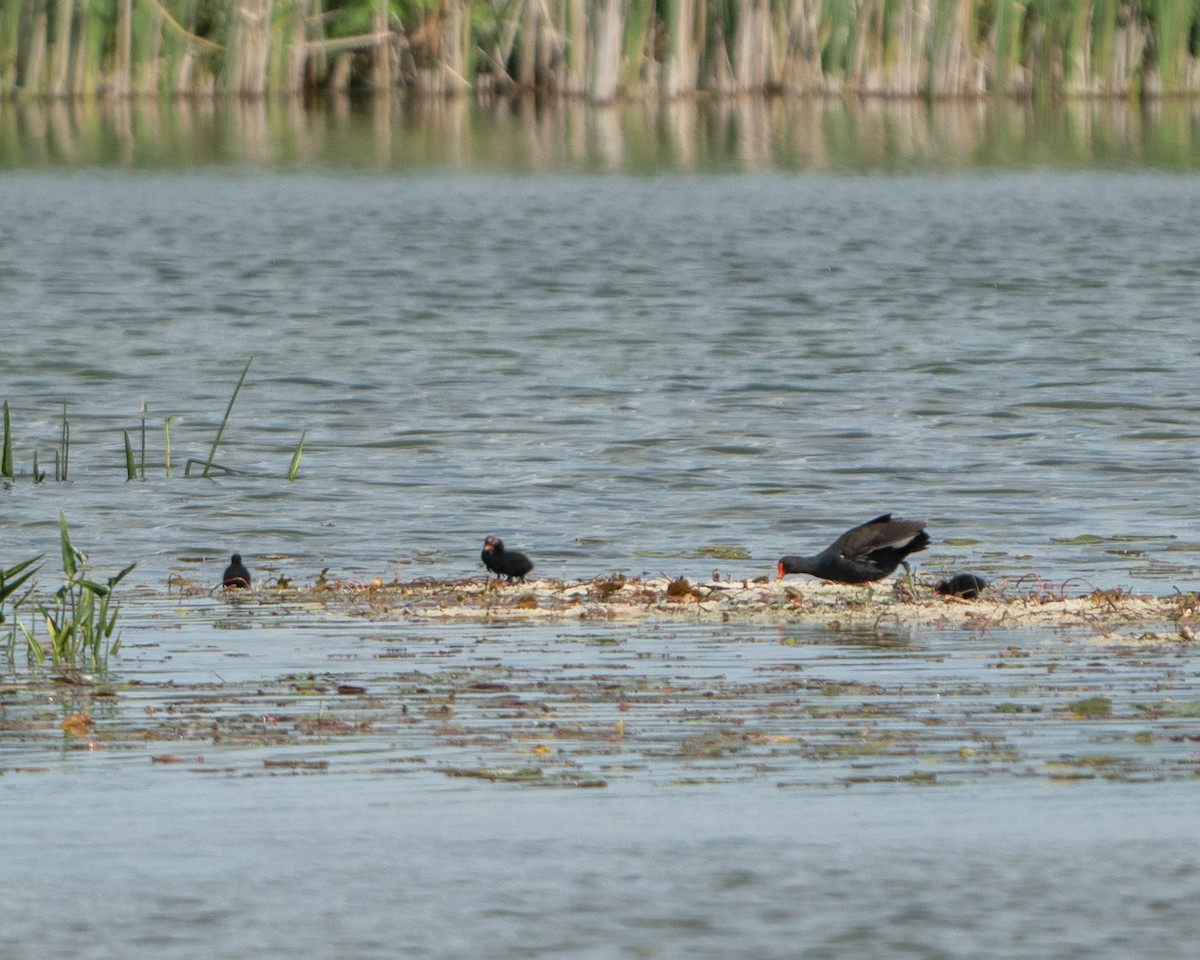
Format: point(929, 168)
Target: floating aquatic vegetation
point(1171, 708)
point(1092, 707)
point(724, 551)
point(680, 588)
point(610, 586)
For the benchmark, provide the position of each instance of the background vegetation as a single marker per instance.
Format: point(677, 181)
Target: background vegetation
point(601, 49)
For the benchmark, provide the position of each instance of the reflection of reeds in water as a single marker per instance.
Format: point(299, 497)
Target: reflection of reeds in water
point(531, 135)
point(603, 49)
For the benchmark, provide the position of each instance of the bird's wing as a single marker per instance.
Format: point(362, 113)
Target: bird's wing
point(877, 534)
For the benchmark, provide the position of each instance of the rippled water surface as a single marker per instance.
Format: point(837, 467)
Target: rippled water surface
point(610, 372)
point(643, 370)
point(265, 777)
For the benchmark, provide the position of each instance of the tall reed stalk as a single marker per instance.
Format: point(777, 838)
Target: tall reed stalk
point(6, 456)
point(130, 465)
point(143, 450)
point(606, 50)
point(635, 55)
point(167, 444)
point(600, 49)
point(225, 420)
point(1174, 25)
point(62, 456)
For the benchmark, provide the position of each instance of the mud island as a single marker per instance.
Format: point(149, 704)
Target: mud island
point(1107, 615)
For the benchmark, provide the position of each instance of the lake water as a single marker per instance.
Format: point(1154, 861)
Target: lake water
point(621, 343)
point(281, 782)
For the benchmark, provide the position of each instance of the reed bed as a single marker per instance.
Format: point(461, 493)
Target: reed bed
point(601, 50)
point(79, 619)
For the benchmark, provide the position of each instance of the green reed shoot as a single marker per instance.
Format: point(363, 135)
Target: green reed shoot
point(295, 467)
point(167, 442)
point(11, 581)
point(130, 466)
point(143, 460)
point(81, 622)
point(60, 462)
point(229, 409)
point(6, 463)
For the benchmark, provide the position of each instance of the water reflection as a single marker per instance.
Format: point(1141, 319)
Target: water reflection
point(529, 135)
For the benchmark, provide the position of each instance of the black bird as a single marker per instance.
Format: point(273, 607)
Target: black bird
point(236, 574)
point(965, 585)
point(504, 563)
point(868, 552)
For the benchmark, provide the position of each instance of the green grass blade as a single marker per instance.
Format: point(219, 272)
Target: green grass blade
point(113, 581)
point(65, 445)
point(142, 471)
point(295, 467)
point(12, 578)
point(229, 409)
point(6, 463)
point(167, 442)
point(130, 466)
point(69, 553)
point(35, 651)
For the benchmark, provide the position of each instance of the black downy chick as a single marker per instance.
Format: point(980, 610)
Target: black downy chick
point(236, 574)
point(502, 562)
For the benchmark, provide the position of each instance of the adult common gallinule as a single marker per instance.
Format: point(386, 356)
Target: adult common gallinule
point(504, 563)
point(868, 552)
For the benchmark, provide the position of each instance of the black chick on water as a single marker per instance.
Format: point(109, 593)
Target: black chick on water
point(236, 574)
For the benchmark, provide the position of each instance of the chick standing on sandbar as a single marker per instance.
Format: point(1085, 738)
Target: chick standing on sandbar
point(504, 563)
